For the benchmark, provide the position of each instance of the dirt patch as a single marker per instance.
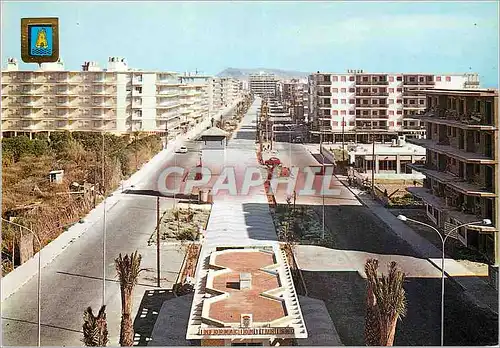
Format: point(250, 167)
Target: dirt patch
point(182, 223)
point(185, 280)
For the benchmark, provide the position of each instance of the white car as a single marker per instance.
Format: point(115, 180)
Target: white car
point(182, 149)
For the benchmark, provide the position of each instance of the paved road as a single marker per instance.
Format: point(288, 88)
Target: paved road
point(337, 280)
point(73, 280)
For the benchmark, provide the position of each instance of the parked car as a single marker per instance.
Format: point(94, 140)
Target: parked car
point(273, 161)
point(182, 149)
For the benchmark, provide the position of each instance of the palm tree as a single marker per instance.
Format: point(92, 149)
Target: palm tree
point(128, 269)
point(95, 328)
point(386, 302)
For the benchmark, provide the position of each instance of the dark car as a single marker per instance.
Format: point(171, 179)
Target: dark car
point(273, 161)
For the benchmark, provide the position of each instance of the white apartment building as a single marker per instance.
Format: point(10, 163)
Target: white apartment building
point(116, 99)
point(356, 105)
point(263, 85)
point(226, 90)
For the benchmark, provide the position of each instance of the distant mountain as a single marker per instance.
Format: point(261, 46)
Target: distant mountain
point(243, 74)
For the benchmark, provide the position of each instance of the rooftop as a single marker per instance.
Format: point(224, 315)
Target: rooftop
point(214, 132)
point(476, 92)
point(382, 149)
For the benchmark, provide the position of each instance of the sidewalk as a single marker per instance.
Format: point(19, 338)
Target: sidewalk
point(22, 274)
point(478, 290)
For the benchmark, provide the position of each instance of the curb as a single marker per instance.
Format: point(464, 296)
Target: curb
point(22, 274)
point(466, 293)
point(18, 277)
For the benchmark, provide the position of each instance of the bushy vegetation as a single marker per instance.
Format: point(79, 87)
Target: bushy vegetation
point(48, 207)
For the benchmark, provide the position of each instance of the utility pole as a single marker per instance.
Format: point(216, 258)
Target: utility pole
point(373, 165)
point(343, 142)
point(103, 228)
point(158, 238)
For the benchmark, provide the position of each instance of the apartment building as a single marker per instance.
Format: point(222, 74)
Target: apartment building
point(294, 96)
point(263, 85)
point(462, 164)
point(117, 99)
point(226, 90)
point(357, 106)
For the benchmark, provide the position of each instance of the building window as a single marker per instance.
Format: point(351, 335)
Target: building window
point(399, 101)
point(399, 112)
point(335, 90)
point(335, 123)
point(352, 123)
point(351, 78)
point(438, 78)
point(335, 101)
point(421, 101)
point(343, 78)
point(352, 101)
point(352, 112)
point(399, 123)
point(391, 124)
point(343, 90)
point(391, 90)
point(335, 113)
point(342, 112)
point(335, 78)
point(343, 101)
point(352, 90)
point(399, 90)
point(448, 78)
point(391, 101)
point(391, 112)
point(478, 137)
point(391, 78)
point(375, 113)
point(399, 78)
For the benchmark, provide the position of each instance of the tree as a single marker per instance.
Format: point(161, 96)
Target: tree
point(128, 269)
point(386, 302)
point(95, 328)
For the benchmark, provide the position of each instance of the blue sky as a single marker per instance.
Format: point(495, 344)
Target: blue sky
point(444, 36)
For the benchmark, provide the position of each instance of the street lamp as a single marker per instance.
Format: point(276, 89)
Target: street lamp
point(443, 241)
point(39, 303)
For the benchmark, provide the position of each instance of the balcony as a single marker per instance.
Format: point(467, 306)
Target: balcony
point(33, 91)
point(413, 94)
point(372, 105)
point(324, 83)
point(168, 105)
point(419, 83)
point(371, 83)
point(167, 94)
point(450, 151)
point(413, 106)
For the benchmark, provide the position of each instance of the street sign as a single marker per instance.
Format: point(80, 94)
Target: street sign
point(39, 40)
point(448, 227)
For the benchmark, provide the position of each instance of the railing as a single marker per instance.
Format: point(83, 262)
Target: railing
point(371, 83)
point(372, 105)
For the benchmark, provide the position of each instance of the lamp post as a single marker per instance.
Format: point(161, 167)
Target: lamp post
point(443, 241)
point(39, 281)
